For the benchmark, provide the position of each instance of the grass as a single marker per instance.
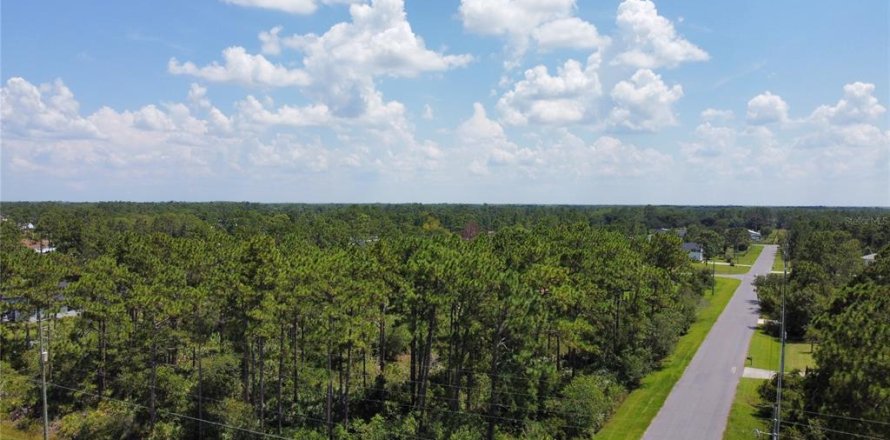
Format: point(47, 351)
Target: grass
point(777, 263)
point(764, 352)
point(743, 262)
point(746, 257)
point(749, 256)
point(724, 269)
point(775, 236)
point(639, 408)
point(8, 431)
point(743, 419)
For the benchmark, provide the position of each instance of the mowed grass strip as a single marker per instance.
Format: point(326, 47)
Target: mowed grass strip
point(632, 417)
point(750, 256)
point(778, 262)
point(764, 352)
point(743, 419)
point(723, 269)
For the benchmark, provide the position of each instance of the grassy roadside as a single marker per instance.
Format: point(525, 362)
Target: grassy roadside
point(724, 269)
point(742, 265)
point(750, 256)
point(743, 419)
point(640, 407)
point(747, 257)
point(778, 261)
point(764, 352)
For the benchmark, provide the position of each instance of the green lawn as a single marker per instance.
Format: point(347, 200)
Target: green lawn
point(764, 353)
point(777, 263)
point(640, 407)
point(748, 257)
point(725, 269)
point(743, 419)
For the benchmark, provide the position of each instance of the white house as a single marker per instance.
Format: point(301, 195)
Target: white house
point(754, 235)
point(869, 259)
point(695, 251)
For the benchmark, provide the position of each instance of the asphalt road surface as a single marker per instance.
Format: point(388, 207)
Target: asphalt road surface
point(699, 404)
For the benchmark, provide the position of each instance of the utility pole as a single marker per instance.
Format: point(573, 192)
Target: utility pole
point(713, 276)
point(778, 412)
point(43, 359)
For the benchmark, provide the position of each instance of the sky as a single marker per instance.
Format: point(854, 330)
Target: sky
point(447, 101)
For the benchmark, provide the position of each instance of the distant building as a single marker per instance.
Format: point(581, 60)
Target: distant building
point(754, 235)
point(681, 232)
point(15, 308)
point(39, 246)
point(695, 251)
point(869, 259)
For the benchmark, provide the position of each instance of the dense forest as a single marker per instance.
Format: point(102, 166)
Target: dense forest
point(229, 320)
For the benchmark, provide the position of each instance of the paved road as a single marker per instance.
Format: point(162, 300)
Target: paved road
point(699, 404)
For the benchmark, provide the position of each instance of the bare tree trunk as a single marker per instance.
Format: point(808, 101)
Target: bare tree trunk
point(425, 367)
point(494, 402)
point(102, 350)
point(296, 371)
point(262, 361)
point(347, 383)
point(330, 395)
point(200, 394)
point(281, 354)
point(364, 368)
point(152, 412)
point(413, 375)
point(381, 343)
point(245, 368)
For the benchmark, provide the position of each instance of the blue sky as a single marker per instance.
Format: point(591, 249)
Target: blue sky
point(498, 101)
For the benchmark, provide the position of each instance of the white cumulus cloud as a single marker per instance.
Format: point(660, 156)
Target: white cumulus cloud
point(301, 7)
point(644, 103)
point(551, 24)
point(567, 97)
point(767, 108)
point(343, 62)
point(49, 110)
point(570, 32)
point(650, 39)
point(242, 68)
point(486, 144)
point(857, 106)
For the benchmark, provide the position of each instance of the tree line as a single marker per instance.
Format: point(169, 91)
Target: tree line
point(224, 320)
point(315, 330)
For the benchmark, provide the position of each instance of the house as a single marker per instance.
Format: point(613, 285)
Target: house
point(754, 235)
point(39, 246)
point(869, 259)
point(695, 251)
point(681, 232)
point(15, 308)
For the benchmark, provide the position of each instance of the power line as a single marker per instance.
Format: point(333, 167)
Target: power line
point(208, 399)
point(848, 418)
point(837, 416)
point(833, 430)
point(136, 405)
